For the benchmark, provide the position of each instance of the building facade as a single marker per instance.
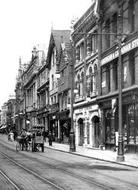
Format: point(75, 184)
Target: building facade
point(118, 20)
point(105, 35)
point(64, 89)
point(56, 38)
point(43, 95)
point(86, 113)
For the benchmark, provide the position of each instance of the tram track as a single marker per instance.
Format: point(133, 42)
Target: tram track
point(44, 180)
point(90, 181)
point(96, 172)
point(12, 184)
point(87, 179)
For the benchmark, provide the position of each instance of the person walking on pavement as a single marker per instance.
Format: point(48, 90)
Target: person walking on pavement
point(50, 138)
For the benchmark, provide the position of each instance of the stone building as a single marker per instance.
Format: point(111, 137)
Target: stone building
point(10, 113)
point(118, 22)
point(64, 89)
point(4, 114)
point(86, 114)
point(43, 95)
point(19, 97)
point(56, 38)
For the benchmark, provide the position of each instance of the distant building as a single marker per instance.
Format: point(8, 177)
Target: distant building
point(4, 114)
point(10, 113)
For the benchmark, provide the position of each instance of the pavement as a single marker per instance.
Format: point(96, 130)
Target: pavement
point(131, 159)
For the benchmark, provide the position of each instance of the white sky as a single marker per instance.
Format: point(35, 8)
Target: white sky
point(25, 23)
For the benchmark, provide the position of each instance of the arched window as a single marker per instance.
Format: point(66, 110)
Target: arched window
point(78, 84)
point(89, 83)
point(95, 79)
point(91, 79)
point(82, 84)
point(52, 81)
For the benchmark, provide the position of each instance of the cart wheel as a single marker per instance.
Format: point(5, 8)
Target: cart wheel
point(42, 148)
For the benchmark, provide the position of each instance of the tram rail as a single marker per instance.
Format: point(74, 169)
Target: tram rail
point(87, 180)
point(13, 185)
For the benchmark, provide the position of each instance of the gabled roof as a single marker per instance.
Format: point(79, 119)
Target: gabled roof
point(65, 55)
point(57, 37)
point(60, 36)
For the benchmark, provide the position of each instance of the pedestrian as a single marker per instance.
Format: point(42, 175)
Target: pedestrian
point(44, 133)
point(50, 138)
point(24, 139)
point(15, 134)
point(11, 136)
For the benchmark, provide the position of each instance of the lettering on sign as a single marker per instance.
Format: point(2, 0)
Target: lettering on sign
point(124, 50)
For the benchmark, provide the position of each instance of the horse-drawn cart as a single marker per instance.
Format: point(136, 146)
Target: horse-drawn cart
point(38, 138)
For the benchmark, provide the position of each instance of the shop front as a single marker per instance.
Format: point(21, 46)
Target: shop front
point(87, 126)
point(129, 122)
point(42, 117)
point(53, 126)
point(64, 126)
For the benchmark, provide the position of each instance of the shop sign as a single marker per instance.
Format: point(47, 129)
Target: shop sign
point(124, 50)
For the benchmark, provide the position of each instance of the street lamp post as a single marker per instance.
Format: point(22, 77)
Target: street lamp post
point(72, 134)
point(25, 109)
point(120, 153)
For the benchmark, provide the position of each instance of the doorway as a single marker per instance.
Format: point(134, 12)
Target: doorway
point(81, 132)
point(95, 121)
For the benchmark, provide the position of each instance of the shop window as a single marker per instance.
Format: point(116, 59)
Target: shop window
point(103, 80)
point(115, 75)
point(125, 73)
point(131, 129)
point(132, 67)
point(132, 132)
point(109, 128)
point(108, 78)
